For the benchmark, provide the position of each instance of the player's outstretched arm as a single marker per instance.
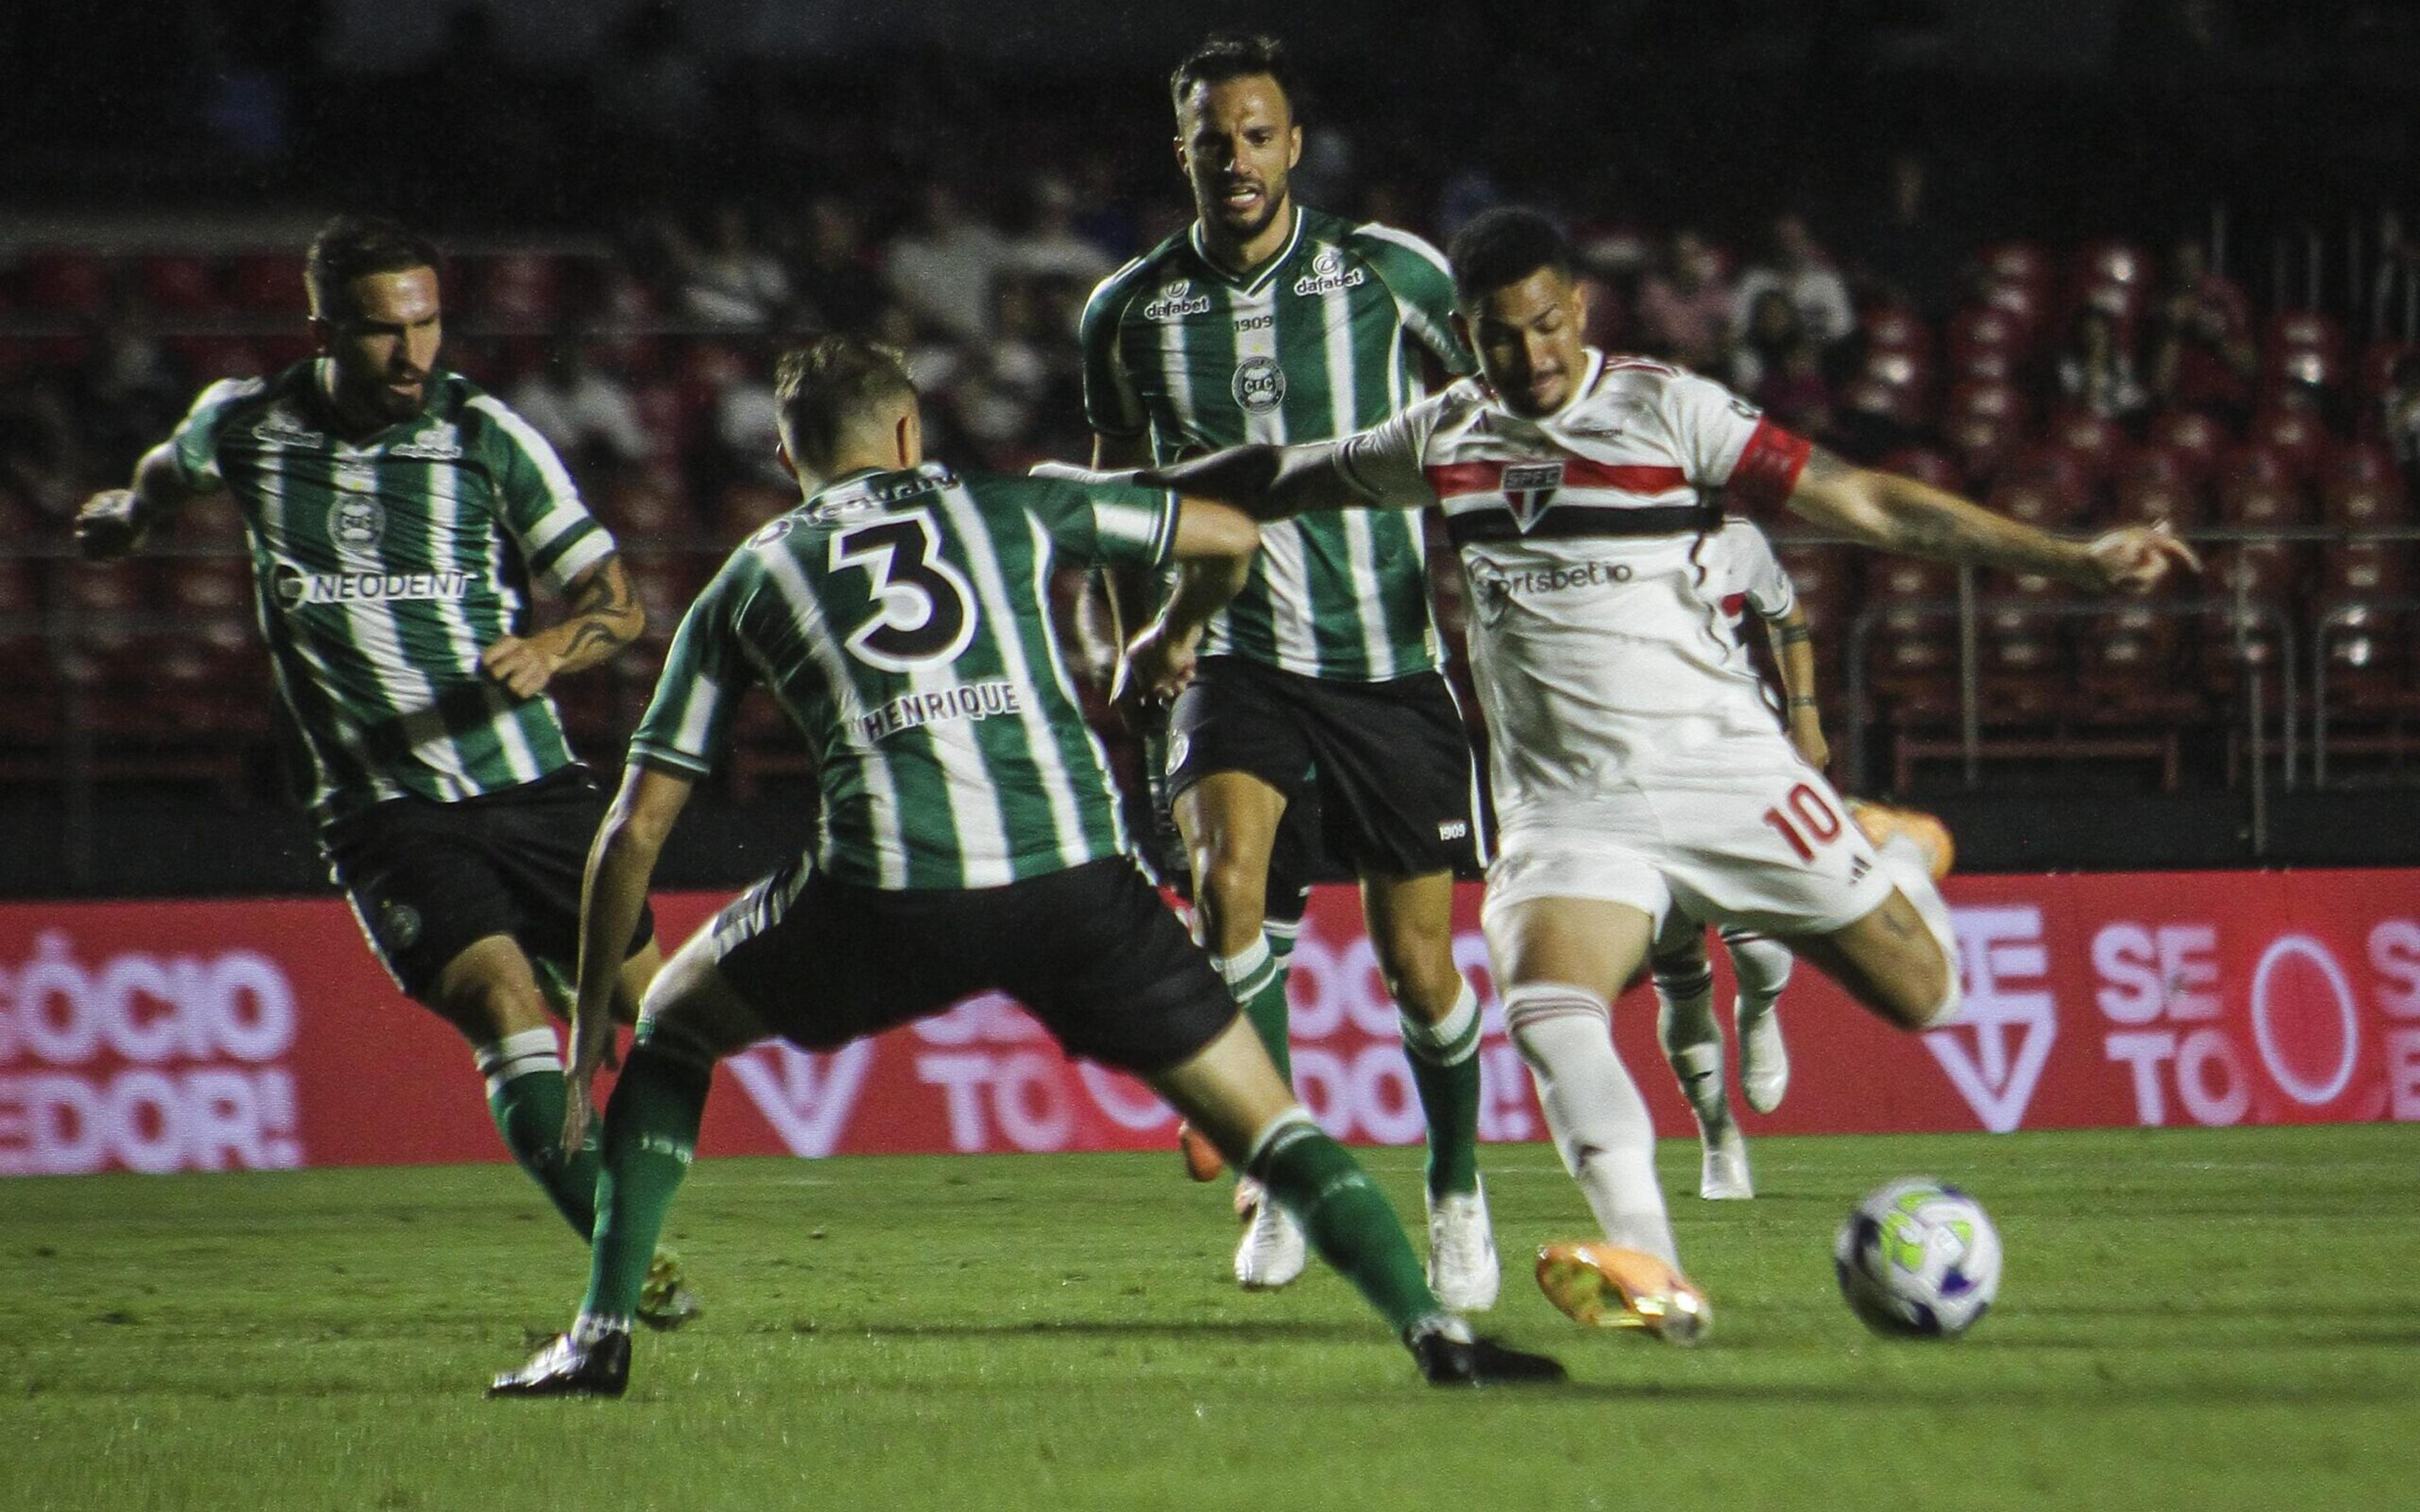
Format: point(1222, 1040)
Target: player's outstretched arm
point(1214, 549)
point(1902, 515)
point(621, 864)
point(112, 522)
point(1793, 657)
point(606, 615)
point(1264, 481)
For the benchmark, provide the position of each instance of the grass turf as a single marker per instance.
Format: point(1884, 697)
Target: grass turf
point(2190, 1319)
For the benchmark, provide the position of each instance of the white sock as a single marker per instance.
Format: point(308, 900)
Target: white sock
point(591, 1329)
point(1452, 1040)
point(517, 1054)
point(1247, 971)
point(1905, 861)
point(1762, 967)
point(1692, 1040)
point(1593, 1110)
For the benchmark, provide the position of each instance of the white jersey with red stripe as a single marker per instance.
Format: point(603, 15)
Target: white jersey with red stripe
point(1598, 633)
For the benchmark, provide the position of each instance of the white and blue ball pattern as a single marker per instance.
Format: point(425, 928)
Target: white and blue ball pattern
point(1918, 1258)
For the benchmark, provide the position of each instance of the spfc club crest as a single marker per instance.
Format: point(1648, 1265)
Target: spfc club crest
point(1529, 487)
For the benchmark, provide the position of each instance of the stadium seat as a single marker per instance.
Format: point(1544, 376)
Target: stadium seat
point(29, 696)
point(2298, 439)
point(743, 507)
point(2148, 499)
point(2257, 502)
point(1981, 444)
point(2034, 488)
point(1983, 344)
point(179, 285)
point(65, 283)
point(516, 289)
point(1890, 329)
point(2121, 263)
point(2094, 441)
point(2022, 263)
point(208, 358)
point(2196, 440)
point(268, 282)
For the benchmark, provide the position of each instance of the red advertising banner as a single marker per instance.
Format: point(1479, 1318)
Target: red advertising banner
point(210, 1036)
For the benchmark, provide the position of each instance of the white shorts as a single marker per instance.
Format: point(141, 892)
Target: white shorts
point(1774, 850)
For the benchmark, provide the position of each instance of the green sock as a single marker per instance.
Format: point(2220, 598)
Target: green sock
point(526, 1096)
point(1345, 1216)
point(1445, 1071)
point(1258, 989)
point(650, 1137)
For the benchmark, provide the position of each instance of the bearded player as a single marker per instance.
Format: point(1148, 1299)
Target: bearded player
point(397, 516)
point(1316, 720)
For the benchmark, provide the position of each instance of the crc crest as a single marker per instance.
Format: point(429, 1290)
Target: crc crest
point(1529, 487)
point(1260, 384)
point(356, 523)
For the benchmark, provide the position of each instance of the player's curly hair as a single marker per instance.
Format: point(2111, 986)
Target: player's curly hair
point(819, 388)
point(1225, 55)
point(350, 246)
point(1503, 246)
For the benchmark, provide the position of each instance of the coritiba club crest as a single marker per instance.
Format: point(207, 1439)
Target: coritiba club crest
point(1260, 384)
point(356, 523)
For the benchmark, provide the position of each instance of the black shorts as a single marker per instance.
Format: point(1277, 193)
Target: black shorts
point(427, 879)
point(1383, 767)
point(1091, 951)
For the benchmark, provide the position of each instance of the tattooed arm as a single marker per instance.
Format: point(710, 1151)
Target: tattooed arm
point(605, 617)
point(1793, 657)
point(1913, 518)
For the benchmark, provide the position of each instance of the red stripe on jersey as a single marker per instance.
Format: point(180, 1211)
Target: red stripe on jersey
point(1768, 469)
point(1456, 479)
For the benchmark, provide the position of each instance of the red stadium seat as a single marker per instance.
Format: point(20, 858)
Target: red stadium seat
point(180, 285)
point(65, 283)
point(2258, 503)
point(267, 284)
point(2121, 263)
point(2022, 263)
point(744, 507)
point(208, 358)
point(2194, 438)
point(2096, 441)
point(1980, 442)
point(1890, 329)
point(2297, 437)
point(1984, 342)
point(2148, 500)
point(518, 288)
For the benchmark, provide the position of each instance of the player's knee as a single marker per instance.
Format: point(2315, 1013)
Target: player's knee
point(1231, 884)
point(1926, 993)
point(486, 1006)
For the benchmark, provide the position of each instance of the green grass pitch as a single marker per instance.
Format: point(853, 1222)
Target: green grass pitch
point(2203, 1319)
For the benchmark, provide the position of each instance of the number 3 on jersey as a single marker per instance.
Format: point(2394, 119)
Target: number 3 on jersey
point(924, 612)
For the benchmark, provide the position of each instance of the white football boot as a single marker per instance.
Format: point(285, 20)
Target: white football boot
point(1463, 1269)
point(1273, 1251)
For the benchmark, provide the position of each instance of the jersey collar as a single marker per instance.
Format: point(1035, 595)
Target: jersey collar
point(1252, 280)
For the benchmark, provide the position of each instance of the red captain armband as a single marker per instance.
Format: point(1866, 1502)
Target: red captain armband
point(1768, 469)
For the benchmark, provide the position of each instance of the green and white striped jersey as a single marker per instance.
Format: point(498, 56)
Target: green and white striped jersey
point(1322, 340)
point(383, 566)
point(902, 621)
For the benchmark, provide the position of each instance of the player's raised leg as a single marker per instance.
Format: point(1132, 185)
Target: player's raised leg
point(1411, 928)
point(1693, 1044)
point(1560, 960)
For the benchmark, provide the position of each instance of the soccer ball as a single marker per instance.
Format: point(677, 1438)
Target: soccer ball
point(1918, 1258)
